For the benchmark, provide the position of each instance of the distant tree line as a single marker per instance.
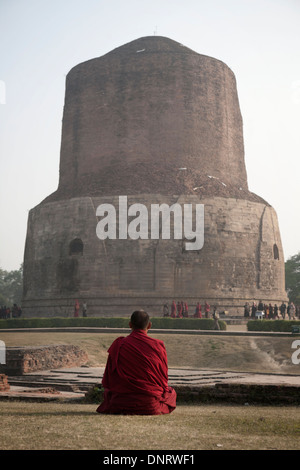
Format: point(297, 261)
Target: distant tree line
point(11, 286)
point(292, 278)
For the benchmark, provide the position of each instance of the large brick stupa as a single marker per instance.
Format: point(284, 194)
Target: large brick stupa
point(159, 123)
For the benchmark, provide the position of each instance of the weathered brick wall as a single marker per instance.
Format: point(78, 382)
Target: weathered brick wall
point(241, 393)
point(29, 359)
point(4, 385)
point(236, 263)
point(165, 106)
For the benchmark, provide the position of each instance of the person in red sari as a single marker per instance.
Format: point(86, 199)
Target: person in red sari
point(207, 310)
point(179, 309)
point(173, 309)
point(135, 379)
point(186, 310)
point(198, 313)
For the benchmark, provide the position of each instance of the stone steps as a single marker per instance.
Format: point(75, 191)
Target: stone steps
point(196, 386)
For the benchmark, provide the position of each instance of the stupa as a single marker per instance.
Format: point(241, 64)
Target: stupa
point(156, 122)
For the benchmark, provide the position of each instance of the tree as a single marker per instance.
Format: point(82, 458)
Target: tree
point(292, 278)
point(11, 286)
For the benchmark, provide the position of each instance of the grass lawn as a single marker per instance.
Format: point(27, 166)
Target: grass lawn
point(65, 426)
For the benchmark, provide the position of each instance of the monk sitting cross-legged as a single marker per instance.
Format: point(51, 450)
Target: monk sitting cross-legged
point(135, 379)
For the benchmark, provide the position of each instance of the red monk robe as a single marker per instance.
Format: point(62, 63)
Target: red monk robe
point(136, 377)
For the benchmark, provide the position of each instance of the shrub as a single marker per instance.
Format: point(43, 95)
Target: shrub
point(113, 322)
point(95, 394)
point(186, 323)
point(272, 325)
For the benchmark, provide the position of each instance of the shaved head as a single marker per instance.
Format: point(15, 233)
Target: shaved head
point(139, 320)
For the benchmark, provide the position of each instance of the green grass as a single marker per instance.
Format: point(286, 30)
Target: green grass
point(65, 426)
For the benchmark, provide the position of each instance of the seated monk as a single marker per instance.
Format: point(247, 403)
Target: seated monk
point(135, 379)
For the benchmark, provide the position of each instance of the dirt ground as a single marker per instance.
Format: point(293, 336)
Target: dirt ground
point(236, 353)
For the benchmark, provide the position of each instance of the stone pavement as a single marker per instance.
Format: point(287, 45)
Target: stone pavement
point(73, 383)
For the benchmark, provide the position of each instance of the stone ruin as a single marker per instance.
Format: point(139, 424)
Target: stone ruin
point(25, 359)
point(159, 123)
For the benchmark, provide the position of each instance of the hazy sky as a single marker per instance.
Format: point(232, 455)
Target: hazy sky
point(41, 40)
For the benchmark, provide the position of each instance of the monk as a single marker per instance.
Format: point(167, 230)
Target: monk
point(135, 379)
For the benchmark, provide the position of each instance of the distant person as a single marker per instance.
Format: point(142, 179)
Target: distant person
point(292, 310)
point(198, 313)
point(206, 310)
point(271, 311)
point(15, 311)
point(282, 309)
point(246, 309)
point(84, 309)
point(186, 310)
point(253, 310)
point(260, 312)
point(179, 309)
point(135, 379)
point(216, 319)
point(173, 309)
point(165, 310)
point(260, 306)
point(76, 309)
point(266, 310)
